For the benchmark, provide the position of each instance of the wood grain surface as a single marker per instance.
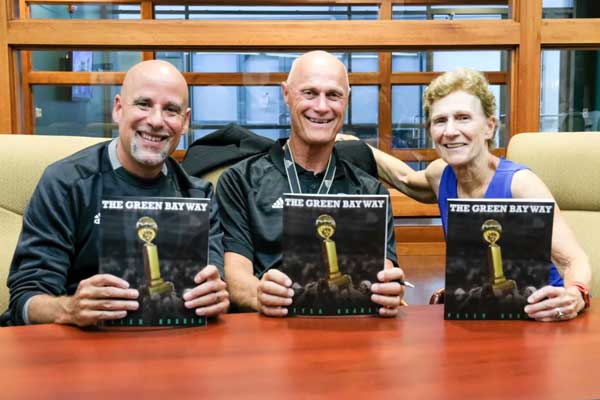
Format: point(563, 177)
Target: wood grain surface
point(418, 355)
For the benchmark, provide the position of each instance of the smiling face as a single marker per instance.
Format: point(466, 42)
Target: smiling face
point(459, 128)
point(152, 113)
point(316, 93)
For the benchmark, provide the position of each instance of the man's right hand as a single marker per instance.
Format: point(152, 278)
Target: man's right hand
point(100, 297)
point(274, 293)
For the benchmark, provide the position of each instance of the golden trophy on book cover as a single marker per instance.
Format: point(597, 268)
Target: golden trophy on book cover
point(501, 286)
point(147, 229)
point(325, 225)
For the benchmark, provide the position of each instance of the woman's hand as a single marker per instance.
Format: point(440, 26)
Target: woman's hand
point(551, 303)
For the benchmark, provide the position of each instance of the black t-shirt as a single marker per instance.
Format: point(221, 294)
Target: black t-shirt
point(251, 204)
point(59, 244)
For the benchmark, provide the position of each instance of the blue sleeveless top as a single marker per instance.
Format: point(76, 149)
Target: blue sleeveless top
point(499, 188)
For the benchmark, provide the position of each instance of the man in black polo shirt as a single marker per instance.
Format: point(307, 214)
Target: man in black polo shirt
point(54, 273)
point(249, 193)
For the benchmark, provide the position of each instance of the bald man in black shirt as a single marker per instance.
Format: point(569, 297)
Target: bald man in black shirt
point(249, 193)
point(54, 274)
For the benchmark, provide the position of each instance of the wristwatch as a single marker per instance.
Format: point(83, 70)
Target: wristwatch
point(585, 292)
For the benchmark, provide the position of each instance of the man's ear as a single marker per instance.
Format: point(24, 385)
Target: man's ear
point(186, 123)
point(117, 109)
point(285, 91)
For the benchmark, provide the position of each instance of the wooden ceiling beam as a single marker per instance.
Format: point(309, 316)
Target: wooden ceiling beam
point(238, 79)
point(570, 33)
point(192, 78)
point(228, 35)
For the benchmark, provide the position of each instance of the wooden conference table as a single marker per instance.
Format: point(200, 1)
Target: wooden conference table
point(418, 355)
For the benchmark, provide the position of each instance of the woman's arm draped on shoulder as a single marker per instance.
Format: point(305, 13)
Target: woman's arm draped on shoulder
point(567, 254)
point(410, 182)
point(397, 173)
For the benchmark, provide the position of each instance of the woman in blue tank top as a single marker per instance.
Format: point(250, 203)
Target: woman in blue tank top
point(460, 112)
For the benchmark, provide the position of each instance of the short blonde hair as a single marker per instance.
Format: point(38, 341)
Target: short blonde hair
point(468, 80)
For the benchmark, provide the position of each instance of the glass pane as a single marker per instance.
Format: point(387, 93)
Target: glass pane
point(361, 62)
point(571, 9)
point(486, 60)
point(74, 110)
point(262, 110)
point(363, 113)
point(450, 12)
point(96, 61)
point(288, 12)
point(258, 62)
point(408, 119)
point(407, 116)
point(85, 11)
point(438, 61)
point(570, 91)
point(197, 133)
point(16, 7)
point(403, 12)
point(417, 166)
point(77, 111)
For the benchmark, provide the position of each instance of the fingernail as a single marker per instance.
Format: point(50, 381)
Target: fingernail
point(290, 292)
point(288, 283)
point(288, 301)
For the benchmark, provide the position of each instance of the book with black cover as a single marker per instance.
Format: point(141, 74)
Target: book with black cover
point(333, 248)
point(158, 245)
point(497, 255)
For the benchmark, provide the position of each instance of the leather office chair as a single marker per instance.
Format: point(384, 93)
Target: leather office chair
point(23, 158)
point(568, 165)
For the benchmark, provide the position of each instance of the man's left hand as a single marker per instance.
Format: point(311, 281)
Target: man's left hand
point(210, 296)
point(389, 292)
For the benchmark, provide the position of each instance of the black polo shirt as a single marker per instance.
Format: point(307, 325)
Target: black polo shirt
point(251, 204)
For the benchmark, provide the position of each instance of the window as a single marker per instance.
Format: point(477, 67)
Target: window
point(570, 95)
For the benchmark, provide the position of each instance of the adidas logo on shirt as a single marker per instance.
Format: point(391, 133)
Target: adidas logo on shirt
point(278, 203)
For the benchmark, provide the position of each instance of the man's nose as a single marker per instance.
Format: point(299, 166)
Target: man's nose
point(321, 103)
point(155, 117)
